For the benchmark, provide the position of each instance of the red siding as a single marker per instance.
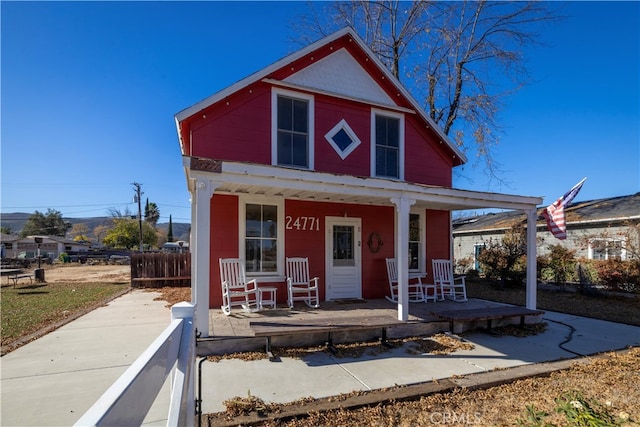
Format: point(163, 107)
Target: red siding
point(438, 237)
point(238, 128)
point(329, 111)
point(425, 160)
point(312, 244)
point(230, 132)
point(224, 241)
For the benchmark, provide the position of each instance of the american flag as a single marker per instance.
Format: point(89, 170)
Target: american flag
point(554, 213)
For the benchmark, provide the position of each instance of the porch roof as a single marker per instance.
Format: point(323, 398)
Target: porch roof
point(274, 181)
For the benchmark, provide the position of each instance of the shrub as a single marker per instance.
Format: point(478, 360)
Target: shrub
point(618, 275)
point(506, 260)
point(463, 265)
point(562, 264)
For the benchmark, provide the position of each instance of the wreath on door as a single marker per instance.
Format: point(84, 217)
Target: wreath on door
point(374, 242)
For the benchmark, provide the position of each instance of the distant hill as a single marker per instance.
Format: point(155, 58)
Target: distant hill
point(15, 222)
point(181, 230)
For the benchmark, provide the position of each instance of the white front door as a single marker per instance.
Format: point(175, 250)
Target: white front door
point(343, 258)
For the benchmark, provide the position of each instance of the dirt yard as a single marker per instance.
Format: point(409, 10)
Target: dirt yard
point(75, 272)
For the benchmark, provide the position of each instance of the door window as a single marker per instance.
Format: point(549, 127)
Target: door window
point(343, 245)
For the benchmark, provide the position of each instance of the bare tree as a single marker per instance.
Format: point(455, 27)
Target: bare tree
point(461, 59)
point(117, 213)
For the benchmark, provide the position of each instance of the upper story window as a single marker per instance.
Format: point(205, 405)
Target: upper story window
point(292, 129)
point(387, 139)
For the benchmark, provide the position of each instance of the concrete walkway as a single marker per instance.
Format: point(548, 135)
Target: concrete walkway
point(52, 381)
point(321, 375)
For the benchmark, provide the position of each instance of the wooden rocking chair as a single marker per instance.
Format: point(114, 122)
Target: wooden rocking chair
point(450, 287)
point(416, 290)
point(236, 291)
point(300, 286)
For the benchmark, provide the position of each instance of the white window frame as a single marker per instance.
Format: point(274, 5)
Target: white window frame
point(476, 261)
point(591, 249)
point(342, 124)
point(378, 112)
point(422, 221)
point(243, 201)
point(275, 92)
point(422, 262)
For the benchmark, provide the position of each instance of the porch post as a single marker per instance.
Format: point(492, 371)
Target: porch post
point(200, 254)
point(532, 275)
point(403, 205)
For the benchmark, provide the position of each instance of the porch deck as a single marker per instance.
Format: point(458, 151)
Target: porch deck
point(233, 333)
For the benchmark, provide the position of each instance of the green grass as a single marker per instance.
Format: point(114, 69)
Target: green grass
point(26, 309)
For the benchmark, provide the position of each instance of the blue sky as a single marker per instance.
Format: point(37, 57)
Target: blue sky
point(90, 90)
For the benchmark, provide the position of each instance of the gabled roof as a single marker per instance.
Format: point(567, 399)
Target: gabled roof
point(316, 78)
point(612, 209)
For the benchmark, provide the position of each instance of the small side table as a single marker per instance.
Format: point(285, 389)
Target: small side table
point(425, 289)
point(267, 296)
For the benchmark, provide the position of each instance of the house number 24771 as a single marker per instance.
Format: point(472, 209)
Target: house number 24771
point(304, 223)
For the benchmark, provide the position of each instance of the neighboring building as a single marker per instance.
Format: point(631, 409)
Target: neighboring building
point(177, 247)
point(324, 155)
point(51, 246)
point(596, 229)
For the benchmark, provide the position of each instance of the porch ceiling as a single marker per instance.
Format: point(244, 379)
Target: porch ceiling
point(272, 181)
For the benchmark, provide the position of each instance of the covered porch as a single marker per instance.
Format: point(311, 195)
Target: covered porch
point(207, 178)
point(234, 333)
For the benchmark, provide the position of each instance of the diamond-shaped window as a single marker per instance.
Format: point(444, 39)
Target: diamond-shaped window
point(343, 139)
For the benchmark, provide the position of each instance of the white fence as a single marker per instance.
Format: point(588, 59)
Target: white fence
point(128, 400)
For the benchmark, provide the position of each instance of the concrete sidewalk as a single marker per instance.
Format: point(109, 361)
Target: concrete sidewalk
point(52, 381)
point(321, 375)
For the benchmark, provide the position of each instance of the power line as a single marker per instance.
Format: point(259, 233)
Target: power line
point(64, 206)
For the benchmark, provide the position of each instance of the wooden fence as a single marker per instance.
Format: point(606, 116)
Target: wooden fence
point(160, 269)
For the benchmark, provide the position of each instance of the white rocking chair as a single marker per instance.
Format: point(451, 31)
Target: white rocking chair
point(416, 290)
point(236, 291)
point(451, 287)
point(300, 286)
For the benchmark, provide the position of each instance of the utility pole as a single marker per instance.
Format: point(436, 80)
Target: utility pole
point(137, 198)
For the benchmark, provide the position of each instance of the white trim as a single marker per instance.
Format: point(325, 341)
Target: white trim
point(422, 220)
point(385, 113)
point(420, 211)
point(342, 124)
point(336, 95)
point(242, 212)
point(275, 92)
point(259, 75)
point(531, 298)
point(201, 195)
point(330, 221)
point(285, 182)
point(403, 207)
point(591, 249)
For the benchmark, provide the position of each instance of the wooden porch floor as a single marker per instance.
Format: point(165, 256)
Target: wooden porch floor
point(233, 333)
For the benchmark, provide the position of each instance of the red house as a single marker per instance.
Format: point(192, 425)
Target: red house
point(325, 155)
